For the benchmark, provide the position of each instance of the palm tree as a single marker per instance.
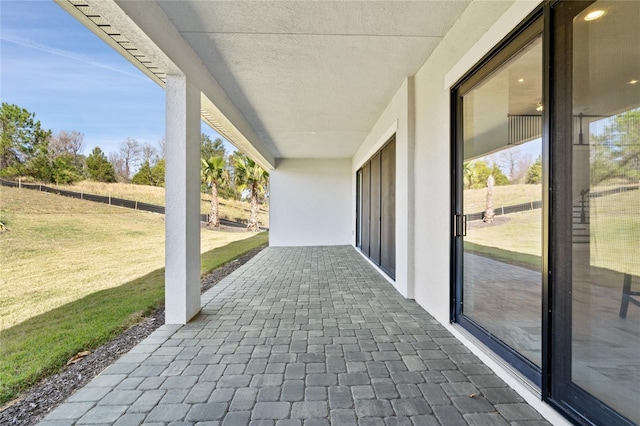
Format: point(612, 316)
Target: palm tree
point(249, 175)
point(214, 173)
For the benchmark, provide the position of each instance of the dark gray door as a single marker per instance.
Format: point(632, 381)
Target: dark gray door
point(366, 207)
point(374, 226)
point(376, 208)
point(388, 209)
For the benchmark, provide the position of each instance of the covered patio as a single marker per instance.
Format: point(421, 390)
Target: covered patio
point(300, 335)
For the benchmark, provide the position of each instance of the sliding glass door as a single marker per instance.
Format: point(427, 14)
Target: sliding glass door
point(597, 327)
point(501, 203)
point(546, 246)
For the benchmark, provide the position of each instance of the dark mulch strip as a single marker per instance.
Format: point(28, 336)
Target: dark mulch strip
point(33, 405)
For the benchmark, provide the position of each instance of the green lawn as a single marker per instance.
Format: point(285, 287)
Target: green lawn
point(58, 249)
point(522, 233)
point(41, 345)
point(74, 273)
point(475, 200)
point(615, 235)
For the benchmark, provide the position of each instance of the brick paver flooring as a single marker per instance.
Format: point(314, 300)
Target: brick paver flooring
point(300, 336)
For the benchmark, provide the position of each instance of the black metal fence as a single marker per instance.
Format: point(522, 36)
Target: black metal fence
point(617, 190)
point(532, 205)
point(502, 210)
point(112, 201)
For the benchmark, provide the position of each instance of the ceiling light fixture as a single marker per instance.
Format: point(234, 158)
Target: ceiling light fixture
point(633, 81)
point(593, 15)
point(520, 80)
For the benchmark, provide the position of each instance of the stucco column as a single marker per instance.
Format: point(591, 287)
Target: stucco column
point(182, 214)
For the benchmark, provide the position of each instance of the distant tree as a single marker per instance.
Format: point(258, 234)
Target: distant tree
point(534, 174)
point(211, 148)
point(148, 153)
point(249, 175)
point(40, 167)
point(508, 159)
point(615, 153)
point(99, 168)
point(515, 162)
point(468, 177)
point(22, 139)
point(130, 152)
point(524, 163)
point(117, 162)
point(500, 178)
point(65, 157)
point(214, 173)
point(151, 171)
point(232, 191)
point(157, 172)
point(477, 172)
point(162, 148)
point(64, 171)
point(67, 142)
point(143, 176)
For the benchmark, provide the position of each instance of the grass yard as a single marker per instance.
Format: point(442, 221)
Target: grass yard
point(475, 200)
point(237, 211)
point(86, 246)
point(615, 236)
point(522, 233)
point(518, 241)
point(510, 257)
point(75, 273)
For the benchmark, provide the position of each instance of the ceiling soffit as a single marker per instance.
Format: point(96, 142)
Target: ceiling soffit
point(309, 77)
point(312, 78)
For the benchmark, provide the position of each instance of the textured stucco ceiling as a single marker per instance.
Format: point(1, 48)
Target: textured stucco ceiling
point(312, 77)
point(280, 79)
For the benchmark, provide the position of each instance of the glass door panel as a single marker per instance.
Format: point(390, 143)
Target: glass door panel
point(605, 317)
point(502, 204)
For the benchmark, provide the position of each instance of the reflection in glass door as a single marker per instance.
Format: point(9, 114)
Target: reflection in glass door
point(605, 246)
point(502, 205)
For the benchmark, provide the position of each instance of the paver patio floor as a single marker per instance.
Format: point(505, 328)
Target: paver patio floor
point(300, 336)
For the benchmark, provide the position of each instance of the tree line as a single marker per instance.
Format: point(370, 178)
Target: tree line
point(233, 176)
point(29, 151)
point(520, 169)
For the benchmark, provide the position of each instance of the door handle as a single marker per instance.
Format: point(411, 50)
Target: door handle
point(460, 225)
point(464, 225)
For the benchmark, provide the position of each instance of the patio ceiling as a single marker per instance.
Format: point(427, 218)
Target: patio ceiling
point(302, 79)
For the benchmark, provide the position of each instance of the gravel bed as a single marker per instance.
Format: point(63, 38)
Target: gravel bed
point(34, 404)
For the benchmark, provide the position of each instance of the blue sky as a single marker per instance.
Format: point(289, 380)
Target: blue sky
point(56, 68)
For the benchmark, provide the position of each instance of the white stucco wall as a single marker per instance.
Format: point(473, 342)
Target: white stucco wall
point(310, 202)
point(478, 30)
point(397, 119)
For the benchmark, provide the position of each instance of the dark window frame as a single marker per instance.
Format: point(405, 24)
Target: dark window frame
point(579, 405)
point(518, 39)
point(554, 378)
